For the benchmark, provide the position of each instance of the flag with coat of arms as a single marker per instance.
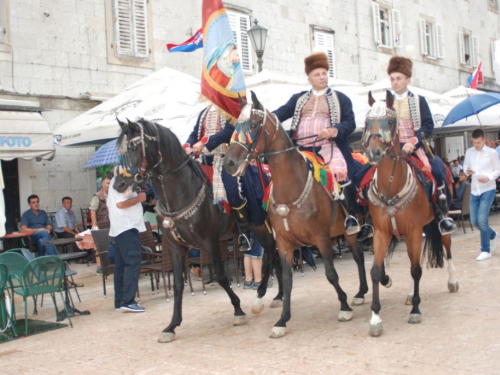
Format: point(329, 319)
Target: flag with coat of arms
point(222, 78)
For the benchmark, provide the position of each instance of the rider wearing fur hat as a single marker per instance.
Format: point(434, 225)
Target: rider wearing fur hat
point(415, 118)
point(329, 115)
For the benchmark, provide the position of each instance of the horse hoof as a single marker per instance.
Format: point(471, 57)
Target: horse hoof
point(415, 319)
point(166, 337)
point(276, 303)
point(258, 306)
point(376, 329)
point(453, 288)
point(358, 301)
point(409, 300)
point(277, 332)
point(344, 316)
point(240, 320)
point(389, 283)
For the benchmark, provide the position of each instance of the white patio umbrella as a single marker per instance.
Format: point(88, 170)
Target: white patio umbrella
point(462, 92)
point(167, 96)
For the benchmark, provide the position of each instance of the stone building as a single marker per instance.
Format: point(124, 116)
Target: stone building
point(69, 55)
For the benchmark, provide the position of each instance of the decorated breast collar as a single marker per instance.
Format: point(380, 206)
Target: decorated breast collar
point(333, 107)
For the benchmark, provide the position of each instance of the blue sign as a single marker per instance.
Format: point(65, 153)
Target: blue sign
point(15, 141)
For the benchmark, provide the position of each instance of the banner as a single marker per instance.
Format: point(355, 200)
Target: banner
point(222, 78)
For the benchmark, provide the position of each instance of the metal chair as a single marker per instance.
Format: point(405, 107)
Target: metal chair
point(41, 276)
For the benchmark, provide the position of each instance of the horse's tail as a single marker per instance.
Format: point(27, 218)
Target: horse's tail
point(433, 245)
point(392, 246)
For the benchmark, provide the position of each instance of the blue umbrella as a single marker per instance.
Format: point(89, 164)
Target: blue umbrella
point(471, 106)
point(106, 154)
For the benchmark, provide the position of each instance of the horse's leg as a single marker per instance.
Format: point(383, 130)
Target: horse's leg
point(381, 242)
point(359, 258)
point(414, 245)
point(452, 277)
point(278, 270)
point(213, 248)
point(326, 250)
point(178, 255)
point(267, 241)
point(286, 256)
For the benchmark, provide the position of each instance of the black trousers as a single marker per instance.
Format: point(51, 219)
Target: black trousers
point(127, 267)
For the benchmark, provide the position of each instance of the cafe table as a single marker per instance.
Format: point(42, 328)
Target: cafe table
point(17, 237)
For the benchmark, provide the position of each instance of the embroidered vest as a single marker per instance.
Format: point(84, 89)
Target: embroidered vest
point(333, 106)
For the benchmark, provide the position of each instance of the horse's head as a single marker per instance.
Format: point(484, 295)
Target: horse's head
point(381, 128)
point(138, 149)
point(247, 141)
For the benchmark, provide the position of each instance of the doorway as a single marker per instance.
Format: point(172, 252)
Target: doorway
point(11, 195)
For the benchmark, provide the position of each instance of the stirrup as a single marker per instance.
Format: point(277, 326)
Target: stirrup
point(445, 232)
point(354, 229)
point(247, 239)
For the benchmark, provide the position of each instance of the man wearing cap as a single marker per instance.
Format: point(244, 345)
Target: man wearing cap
point(415, 118)
point(327, 114)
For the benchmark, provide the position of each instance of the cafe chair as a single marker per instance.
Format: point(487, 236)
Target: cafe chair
point(43, 275)
point(15, 264)
point(6, 320)
point(464, 211)
point(85, 218)
point(102, 241)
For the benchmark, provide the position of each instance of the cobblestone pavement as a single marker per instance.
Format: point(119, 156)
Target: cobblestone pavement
point(459, 333)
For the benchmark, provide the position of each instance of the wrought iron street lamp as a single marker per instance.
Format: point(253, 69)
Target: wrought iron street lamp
point(258, 36)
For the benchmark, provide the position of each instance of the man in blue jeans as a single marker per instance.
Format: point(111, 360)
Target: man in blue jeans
point(126, 221)
point(483, 164)
point(36, 221)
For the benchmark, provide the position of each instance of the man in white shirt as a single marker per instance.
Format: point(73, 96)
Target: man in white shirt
point(126, 221)
point(483, 164)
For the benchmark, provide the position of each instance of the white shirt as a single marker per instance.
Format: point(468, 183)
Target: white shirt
point(123, 219)
point(402, 96)
point(485, 163)
point(320, 92)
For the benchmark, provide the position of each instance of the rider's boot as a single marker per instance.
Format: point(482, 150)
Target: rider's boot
point(348, 199)
point(367, 228)
point(245, 241)
point(446, 224)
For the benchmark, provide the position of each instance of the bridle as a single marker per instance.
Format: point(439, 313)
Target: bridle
point(387, 125)
point(143, 173)
point(251, 143)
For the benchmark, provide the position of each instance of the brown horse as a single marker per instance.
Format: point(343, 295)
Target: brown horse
point(301, 210)
point(399, 206)
point(185, 206)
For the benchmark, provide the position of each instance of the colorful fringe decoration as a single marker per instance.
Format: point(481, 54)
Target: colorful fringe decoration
point(242, 136)
point(321, 173)
point(266, 198)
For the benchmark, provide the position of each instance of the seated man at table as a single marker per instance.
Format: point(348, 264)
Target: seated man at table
point(37, 221)
point(65, 221)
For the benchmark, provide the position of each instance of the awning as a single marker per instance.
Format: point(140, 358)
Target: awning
point(25, 135)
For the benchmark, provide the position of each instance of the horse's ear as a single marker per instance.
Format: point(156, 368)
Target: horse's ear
point(242, 101)
point(370, 99)
point(133, 125)
point(389, 100)
point(121, 122)
point(255, 101)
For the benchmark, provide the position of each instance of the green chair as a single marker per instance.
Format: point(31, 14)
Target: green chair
point(43, 275)
point(5, 319)
point(15, 264)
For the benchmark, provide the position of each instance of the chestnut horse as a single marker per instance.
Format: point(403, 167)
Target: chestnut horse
point(185, 204)
point(399, 206)
point(301, 210)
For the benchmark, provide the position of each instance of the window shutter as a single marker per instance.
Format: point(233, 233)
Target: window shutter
point(440, 41)
point(240, 23)
point(141, 28)
point(123, 28)
point(475, 47)
point(396, 28)
point(324, 42)
point(461, 47)
point(376, 23)
point(424, 48)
